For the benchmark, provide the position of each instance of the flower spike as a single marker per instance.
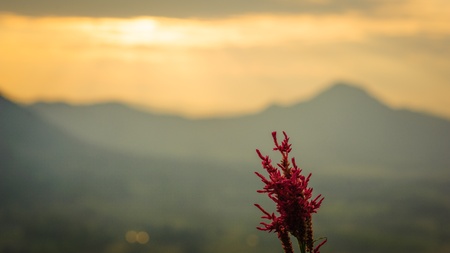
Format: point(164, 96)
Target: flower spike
point(288, 188)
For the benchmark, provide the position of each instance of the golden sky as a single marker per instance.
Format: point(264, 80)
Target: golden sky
point(230, 64)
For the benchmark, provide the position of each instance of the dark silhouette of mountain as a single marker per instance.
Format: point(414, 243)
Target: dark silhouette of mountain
point(23, 136)
point(61, 194)
point(101, 170)
point(353, 125)
point(37, 159)
point(343, 123)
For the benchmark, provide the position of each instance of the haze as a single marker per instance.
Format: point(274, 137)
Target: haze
point(226, 59)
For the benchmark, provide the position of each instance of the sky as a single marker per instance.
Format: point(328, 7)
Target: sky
point(200, 58)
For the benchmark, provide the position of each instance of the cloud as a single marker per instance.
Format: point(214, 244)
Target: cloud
point(183, 8)
point(238, 31)
point(230, 65)
point(233, 64)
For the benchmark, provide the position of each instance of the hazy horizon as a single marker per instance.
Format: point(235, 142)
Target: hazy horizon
point(200, 59)
point(79, 179)
point(156, 111)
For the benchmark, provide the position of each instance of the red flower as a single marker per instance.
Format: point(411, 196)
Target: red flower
point(288, 188)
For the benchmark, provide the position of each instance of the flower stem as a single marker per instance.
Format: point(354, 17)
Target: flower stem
point(302, 246)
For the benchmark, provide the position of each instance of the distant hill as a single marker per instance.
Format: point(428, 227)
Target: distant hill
point(40, 162)
point(344, 123)
point(61, 194)
point(38, 159)
point(76, 178)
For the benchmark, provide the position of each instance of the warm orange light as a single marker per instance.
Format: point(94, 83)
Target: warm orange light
point(131, 236)
point(210, 67)
point(141, 237)
point(252, 240)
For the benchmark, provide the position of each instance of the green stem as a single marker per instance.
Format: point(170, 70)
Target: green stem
point(302, 246)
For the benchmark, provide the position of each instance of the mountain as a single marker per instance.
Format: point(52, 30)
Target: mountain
point(344, 123)
point(42, 164)
point(77, 178)
point(39, 159)
point(353, 125)
point(60, 194)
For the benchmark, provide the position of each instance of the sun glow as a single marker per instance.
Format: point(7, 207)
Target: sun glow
point(201, 67)
point(240, 31)
point(136, 31)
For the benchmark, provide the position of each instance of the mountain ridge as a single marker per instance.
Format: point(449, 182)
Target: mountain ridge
point(197, 175)
point(344, 122)
point(329, 91)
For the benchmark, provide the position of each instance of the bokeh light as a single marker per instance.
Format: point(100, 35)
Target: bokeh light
point(141, 237)
point(252, 240)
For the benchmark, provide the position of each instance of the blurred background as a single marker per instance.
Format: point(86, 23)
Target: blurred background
point(132, 126)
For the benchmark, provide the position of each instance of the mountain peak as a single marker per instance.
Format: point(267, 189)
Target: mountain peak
point(342, 90)
point(342, 94)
